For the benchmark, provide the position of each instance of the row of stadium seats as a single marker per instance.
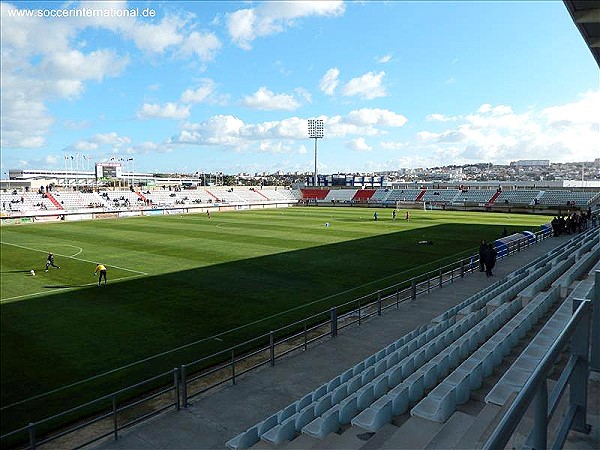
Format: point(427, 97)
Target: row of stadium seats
point(433, 369)
point(26, 201)
point(241, 195)
point(113, 199)
point(453, 196)
point(560, 198)
point(520, 197)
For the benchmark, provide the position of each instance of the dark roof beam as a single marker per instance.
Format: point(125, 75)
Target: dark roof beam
point(587, 16)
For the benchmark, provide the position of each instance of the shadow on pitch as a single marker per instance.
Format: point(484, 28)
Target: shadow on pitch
point(63, 286)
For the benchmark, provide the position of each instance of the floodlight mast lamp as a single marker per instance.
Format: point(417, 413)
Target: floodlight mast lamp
point(315, 131)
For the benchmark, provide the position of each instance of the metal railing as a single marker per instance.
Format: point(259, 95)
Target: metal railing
point(196, 377)
point(575, 376)
point(111, 417)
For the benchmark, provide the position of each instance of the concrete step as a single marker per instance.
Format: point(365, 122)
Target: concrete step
point(416, 433)
point(263, 445)
point(350, 438)
point(302, 442)
point(488, 416)
point(451, 432)
point(382, 435)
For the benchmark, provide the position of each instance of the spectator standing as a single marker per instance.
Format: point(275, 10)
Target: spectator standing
point(490, 260)
point(482, 250)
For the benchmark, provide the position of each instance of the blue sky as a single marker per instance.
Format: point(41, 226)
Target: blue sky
point(229, 86)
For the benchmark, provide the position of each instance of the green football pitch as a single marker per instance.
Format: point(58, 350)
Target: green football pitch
point(173, 280)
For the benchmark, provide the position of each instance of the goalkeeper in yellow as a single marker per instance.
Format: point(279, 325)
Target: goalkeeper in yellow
point(101, 270)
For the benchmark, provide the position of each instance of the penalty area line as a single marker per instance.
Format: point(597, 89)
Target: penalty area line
point(73, 257)
point(35, 294)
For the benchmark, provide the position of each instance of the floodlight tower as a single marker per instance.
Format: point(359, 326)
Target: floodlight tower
point(315, 131)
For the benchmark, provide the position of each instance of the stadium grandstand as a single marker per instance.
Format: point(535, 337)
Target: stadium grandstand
point(70, 203)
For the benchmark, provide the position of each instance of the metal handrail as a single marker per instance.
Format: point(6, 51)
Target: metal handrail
point(396, 293)
point(31, 427)
point(537, 381)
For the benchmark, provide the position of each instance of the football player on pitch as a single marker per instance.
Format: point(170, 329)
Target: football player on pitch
point(50, 262)
point(102, 271)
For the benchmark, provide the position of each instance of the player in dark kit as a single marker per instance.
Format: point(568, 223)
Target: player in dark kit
point(50, 262)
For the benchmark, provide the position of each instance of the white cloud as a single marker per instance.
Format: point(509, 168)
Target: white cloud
point(384, 59)
point(76, 124)
point(111, 138)
point(367, 86)
point(148, 147)
point(338, 126)
point(241, 26)
point(108, 142)
point(291, 128)
point(174, 32)
point(304, 94)
point(391, 145)
point(329, 81)
point(155, 38)
point(440, 118)
point(43, 60)
point(86, 146)
point(51, 160)
point(275, 147)
point(200, 94)
point(486, 107)
point(217, 130)
point(498, 134)
point(31, 76)
point(584, 111)
point(66, 71)
point(265, 100)
point(202, 45)
point(25, 121)
point(375, 116)
point(246, 25)
point(359, 145)
point(169, 110)
point(231, 131)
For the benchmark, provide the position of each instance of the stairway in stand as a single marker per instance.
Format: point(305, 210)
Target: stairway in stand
point(53, 200)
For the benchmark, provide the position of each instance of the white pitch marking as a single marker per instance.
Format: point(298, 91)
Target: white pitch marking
point(68, 245)
point(73, 257)
point(74, 246)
